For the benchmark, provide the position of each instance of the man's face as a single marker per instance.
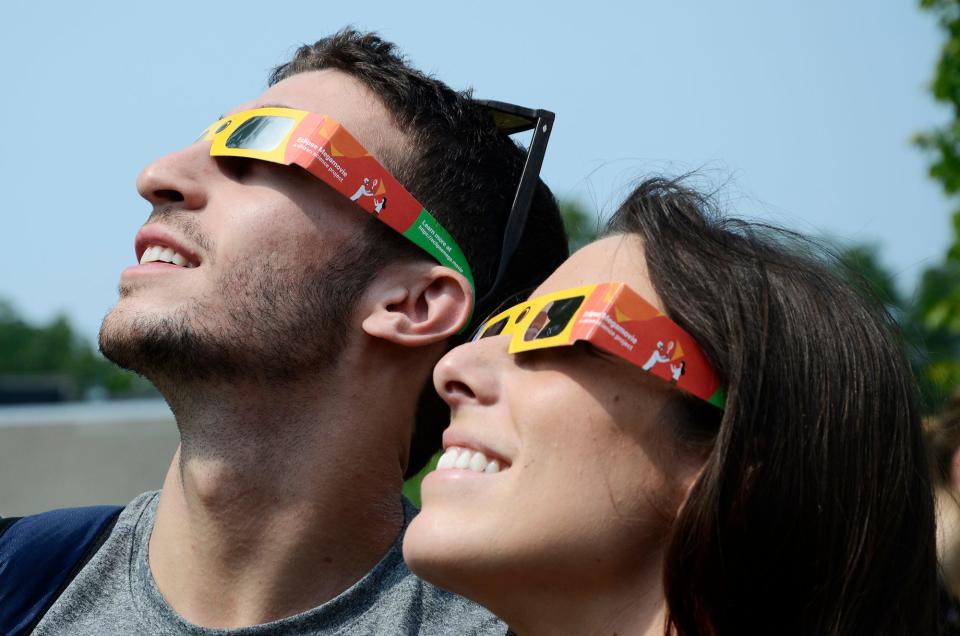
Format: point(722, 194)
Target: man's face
point(270, 259)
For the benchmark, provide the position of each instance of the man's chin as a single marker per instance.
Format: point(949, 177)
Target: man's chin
point(156, 347)
point(177, 348)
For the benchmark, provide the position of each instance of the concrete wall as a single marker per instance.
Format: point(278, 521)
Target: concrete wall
point(84, 453)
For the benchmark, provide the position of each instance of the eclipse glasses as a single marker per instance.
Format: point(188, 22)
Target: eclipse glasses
point(614, 318)
point(323, 147)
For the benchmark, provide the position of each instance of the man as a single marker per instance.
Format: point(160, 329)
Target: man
point(292, 336)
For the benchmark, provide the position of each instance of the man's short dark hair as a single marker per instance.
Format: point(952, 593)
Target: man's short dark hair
point(460, 166)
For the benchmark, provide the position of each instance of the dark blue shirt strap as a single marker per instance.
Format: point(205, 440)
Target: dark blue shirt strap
point(40, 555)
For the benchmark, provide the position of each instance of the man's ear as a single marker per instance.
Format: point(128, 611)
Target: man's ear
point(416, 303)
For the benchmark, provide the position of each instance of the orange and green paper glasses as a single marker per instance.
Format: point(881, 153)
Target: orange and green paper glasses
point(324, 148)
point(616, 319)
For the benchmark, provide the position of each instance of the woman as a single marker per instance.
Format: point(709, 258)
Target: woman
point(610, 487)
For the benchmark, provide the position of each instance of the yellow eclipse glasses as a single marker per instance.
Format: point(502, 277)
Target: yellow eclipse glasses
point(614, 318)
point(324, 148)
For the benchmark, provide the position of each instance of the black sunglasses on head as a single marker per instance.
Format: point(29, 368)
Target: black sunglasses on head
point(512, 119)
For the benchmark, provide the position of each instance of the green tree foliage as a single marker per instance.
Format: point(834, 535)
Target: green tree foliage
point(582, 226)
point(937, 301)
point(931, 335)
point(936, 319)
point(55, 349)
point(943, 143)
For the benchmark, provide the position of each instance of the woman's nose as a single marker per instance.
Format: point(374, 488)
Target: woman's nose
point(472, 372)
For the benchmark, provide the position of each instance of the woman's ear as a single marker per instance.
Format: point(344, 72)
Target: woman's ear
point(416, 303)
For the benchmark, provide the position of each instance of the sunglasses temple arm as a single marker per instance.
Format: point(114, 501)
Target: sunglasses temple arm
point(517, 220)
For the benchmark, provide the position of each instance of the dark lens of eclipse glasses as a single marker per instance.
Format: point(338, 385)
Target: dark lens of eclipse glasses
point(262, 133)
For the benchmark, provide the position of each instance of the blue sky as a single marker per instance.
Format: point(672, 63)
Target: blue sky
point(804, 111)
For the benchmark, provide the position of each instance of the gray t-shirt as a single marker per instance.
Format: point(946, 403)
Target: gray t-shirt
point(115, 594)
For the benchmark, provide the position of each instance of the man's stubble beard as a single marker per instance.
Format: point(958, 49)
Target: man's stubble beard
point(268, 323)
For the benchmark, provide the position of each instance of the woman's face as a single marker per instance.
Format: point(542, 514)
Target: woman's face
point(589, 478)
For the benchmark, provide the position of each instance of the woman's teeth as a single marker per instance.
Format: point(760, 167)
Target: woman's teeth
point(156, 253)
point(466, 459)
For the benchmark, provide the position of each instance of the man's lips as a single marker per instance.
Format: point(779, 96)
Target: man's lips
point(157, 242)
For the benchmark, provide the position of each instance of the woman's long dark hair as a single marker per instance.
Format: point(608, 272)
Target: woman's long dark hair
point(814, 511)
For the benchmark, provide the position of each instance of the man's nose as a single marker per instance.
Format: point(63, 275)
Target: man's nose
point(181, 178)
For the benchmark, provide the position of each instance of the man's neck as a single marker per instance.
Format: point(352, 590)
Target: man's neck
point(276, 502)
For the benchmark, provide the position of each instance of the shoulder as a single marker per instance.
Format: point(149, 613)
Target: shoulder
point(41, 554)
point(447, 613)
point(51, 536)
point(395, 600)
point(411, 605)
